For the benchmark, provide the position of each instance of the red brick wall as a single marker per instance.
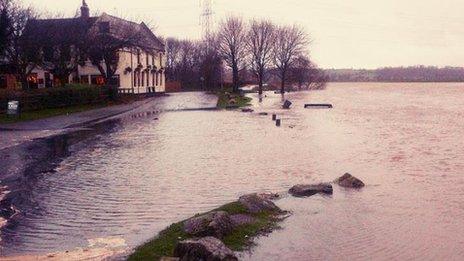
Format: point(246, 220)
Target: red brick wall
point(9, 80)
point(173, 87)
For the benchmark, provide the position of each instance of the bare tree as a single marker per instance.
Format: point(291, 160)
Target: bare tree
point(232, 46)
point(306, 75)
point(5, 26)
point(194, 64)
point(210, 62)
point(22, 52)
point(173, 50)
point(104, 43)
point(290, 42)
point(260, 41)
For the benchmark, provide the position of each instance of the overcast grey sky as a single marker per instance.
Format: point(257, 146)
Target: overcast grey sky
point(346, 34)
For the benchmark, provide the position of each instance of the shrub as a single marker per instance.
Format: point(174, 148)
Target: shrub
point(58, 97)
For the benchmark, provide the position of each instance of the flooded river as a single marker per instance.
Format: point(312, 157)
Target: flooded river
point(131, 180)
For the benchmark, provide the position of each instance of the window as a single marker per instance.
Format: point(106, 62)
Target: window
point(148, 79)
point(138, 57)
point(135, 79)
point(161, 60)
point(153, 60)
point(33, 81)
point(84, 79)
point(49, 83)
point(147, 59)
point(143, 78)
point(156, 78)
point(161, 78)
point(97, 80)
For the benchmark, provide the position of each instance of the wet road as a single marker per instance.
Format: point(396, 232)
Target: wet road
point(403, 140)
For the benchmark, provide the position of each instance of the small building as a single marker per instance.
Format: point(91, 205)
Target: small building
point(140, 68)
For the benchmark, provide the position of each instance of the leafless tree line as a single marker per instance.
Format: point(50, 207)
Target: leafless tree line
point(193, 63)
point(258, 46)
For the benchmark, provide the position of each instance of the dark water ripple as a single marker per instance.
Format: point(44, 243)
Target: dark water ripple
point(403, 140)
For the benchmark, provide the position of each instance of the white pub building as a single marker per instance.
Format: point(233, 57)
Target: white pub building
point(139, 70)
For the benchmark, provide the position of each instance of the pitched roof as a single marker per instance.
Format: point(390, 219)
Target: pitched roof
point(56, 31)
point(69, 30)
point(120, 27)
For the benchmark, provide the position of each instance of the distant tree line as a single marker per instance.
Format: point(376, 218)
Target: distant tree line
point(398, 74)
point(242, 48)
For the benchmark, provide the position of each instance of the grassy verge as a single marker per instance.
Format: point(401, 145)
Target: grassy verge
point(227, 99)
point(240, 239)
point(46, 113)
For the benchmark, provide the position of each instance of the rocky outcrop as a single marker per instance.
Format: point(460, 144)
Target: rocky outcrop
point(256, 203)
point(207, 248)
point(349, 181)
point(242, 219)
point(309, 190)
point(270, 196)
point(217, 224)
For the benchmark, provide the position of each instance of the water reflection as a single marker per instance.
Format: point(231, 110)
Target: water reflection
point(140, 177)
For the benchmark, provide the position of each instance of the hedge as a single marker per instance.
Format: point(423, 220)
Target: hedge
point(57, 97)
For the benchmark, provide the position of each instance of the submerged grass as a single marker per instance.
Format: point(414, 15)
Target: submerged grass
point(240, 239)
point(226, 95)
point(46, 113)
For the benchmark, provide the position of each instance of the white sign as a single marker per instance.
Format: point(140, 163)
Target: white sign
point(13, 107)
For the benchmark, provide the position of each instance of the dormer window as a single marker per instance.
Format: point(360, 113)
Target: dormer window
point(104, 27)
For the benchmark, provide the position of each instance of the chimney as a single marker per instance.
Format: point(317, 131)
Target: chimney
point(85, 11)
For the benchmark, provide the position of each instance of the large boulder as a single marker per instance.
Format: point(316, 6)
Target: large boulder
point(242, 219)
point(256, 203)
point(349, 181)
point(217, 224)
point(309, 190)
point(207, 249)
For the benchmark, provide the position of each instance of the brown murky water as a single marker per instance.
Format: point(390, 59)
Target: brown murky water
point(403, 140)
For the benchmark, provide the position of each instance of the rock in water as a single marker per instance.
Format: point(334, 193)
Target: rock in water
point(309, 190)
point(348, 181)
point(207, 248)
point(256, 203)
point(242, 219)
point(217, 224)
point(287, 104)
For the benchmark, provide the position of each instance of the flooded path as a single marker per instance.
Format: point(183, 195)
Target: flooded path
point(131, 181)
